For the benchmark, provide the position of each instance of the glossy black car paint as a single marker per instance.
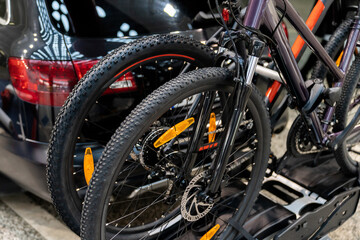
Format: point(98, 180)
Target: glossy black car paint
point(32, 30)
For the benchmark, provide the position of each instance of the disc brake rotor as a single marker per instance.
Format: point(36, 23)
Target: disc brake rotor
point(192, 208)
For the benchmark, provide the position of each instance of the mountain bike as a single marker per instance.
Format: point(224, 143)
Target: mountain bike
point(190, 159)
point(101, 101)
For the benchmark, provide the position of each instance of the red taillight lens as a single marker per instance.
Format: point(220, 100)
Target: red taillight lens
point(50, 82)
point(42, 82)
point(82, 66)
point(124, 83)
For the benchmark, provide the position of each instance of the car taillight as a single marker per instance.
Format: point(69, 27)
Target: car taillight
point(50, 82)
point(42, 82)
point(124, 83)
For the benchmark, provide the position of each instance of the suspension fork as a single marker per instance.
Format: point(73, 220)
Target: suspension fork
point(241, 94)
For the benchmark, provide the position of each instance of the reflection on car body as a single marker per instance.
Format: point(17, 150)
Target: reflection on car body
point(46, 46)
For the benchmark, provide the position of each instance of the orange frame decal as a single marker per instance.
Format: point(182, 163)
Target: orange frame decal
point(271, 92)
point(310, 22)
point(298, 44)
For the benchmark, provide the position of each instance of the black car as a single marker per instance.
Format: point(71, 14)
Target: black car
point(46, 46)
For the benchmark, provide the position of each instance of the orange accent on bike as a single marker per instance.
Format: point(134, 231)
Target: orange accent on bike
point(211, 232)
point(173, 132)
point(212, 127)
point(271, 92)
point(310, 22)
point(208, 146)
point(88, 165)
point(338, 61)
point(299, 43)
point(157, 56)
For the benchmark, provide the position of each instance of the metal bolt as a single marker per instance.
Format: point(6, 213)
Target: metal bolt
point(209, 200)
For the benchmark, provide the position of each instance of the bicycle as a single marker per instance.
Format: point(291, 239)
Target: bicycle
point(90, 115)
point(198, 179)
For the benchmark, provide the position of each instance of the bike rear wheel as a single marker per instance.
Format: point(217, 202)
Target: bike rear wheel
point(348, 154)
point(140, 191)
point(101, 100)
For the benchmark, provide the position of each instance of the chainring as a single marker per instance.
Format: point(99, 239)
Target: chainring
point(299, 140)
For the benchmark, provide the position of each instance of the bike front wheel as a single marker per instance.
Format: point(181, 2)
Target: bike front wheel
point(347, 154)
point(141, 189)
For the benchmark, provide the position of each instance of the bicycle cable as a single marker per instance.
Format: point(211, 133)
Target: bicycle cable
point(231, 38)
point(212, 13)
point(282, 17)
point(260, 34)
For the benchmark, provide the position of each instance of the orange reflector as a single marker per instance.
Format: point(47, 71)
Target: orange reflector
point(88, 165)
point(339, 58)
point(173, 132)
point(210, 233)
point(212, 127)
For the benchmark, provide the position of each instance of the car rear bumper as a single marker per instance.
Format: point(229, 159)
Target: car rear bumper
point(24, 162)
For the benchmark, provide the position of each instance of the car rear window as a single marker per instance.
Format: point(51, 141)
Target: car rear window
point(2, 8)
point(120, 18)
point(4, 11)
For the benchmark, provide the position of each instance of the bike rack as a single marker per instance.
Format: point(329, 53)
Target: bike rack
point(307, 200)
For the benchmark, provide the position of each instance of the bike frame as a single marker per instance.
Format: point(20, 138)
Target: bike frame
point(286, 60)
point(265, 12)
point(313, 22)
